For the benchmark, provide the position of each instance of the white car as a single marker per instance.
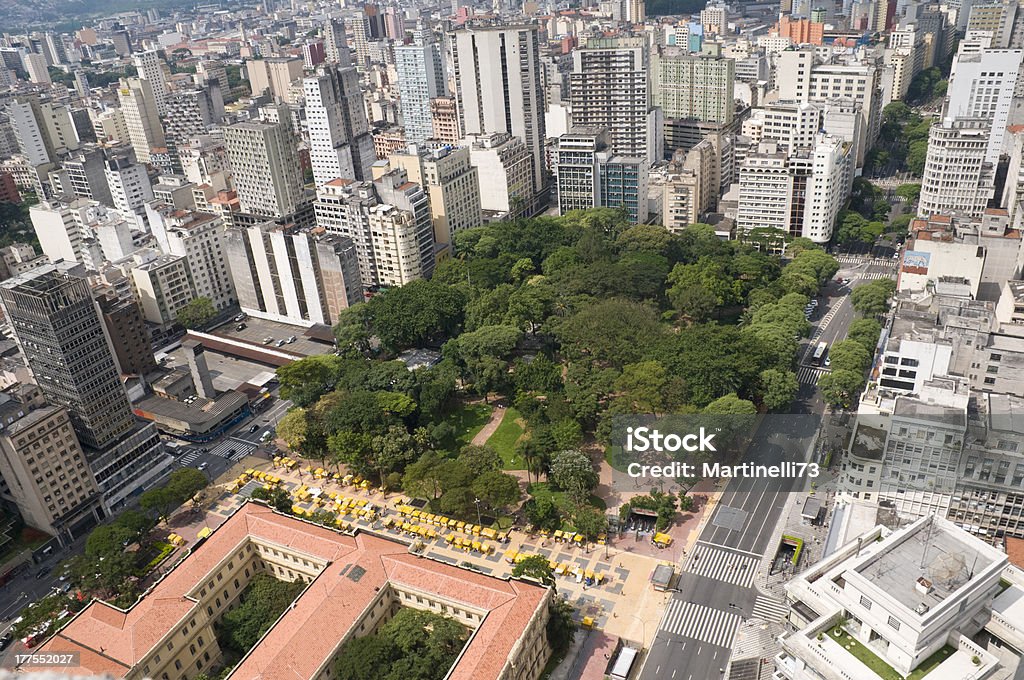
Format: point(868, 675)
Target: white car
point(828, 361)
point(202, 466)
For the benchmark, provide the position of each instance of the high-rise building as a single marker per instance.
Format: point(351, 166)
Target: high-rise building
point(340, 143)
point(138, 105)
point(43, 467)
point(499, 87)
point(199, 238)
point(162, 284)
point(150, 68)
point(389, 222)
point(698, 86)
point(797, 191)
point(609, 88)
point(335, 46)
point(129, 336)
point(291, 275)
point(33, 139)
point(996, 17)
point(129, 185)
point(505, 172)
point(57, 324)
point(982, 85)
point(110, 126)
point(452, 185)
point(265, 165)
point(589, 175)
point(420, 80)
point(190, 113)
point(36, 67)
point(213, 72)
point(275, 75)
point(957, 177)
point(444, 119)
point(713, 19)
point(86, 171)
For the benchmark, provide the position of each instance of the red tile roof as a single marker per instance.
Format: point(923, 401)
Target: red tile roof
point(112, 640)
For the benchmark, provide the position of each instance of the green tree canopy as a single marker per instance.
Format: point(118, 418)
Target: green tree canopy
point(197, 313)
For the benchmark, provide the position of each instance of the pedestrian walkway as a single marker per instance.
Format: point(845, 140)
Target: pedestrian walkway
point(871, 276)
point(722, 565)
point(189, 458)
point(699, 622)
point(232, 450)
point(769, 609)
point(809, 375)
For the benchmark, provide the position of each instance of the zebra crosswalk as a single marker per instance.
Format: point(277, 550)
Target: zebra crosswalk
point(871, 276)
point(722, 565)
point(769, 609)
point(189, 458)
point(809, 375)
point(700, 622)
point(232, 450)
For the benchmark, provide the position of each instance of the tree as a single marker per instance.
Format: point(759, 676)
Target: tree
point(574, 474)
point(419, 313)
point(159, 501)
point(909, 192)
point(778, 388)
point(293, 428)
point(542, 513)
point(590, 522)
point(865, 332)
point(186, 484)
point(536, 568)
point(497, 489)
point(872, 299)
point(561, 626)
point(480, 458)
point(276, 497)
point(615, 332)
point(849, 355)
point(197, 313)
point(841, 387)
point(693, 302)
point(262, 602)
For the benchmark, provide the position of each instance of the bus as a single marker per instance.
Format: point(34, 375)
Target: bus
point(819, 353)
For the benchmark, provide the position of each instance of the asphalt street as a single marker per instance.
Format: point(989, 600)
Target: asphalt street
point(716, 589)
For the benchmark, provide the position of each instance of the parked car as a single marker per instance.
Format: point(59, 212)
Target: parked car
point(253, 428)
point(42, 573)
point(291, 339)
point(202, 466)
point(281, 343)
point(240, 327)
point(241, 317)
point(267, 341)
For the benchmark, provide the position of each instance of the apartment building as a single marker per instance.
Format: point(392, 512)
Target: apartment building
point(505, 173)
point(958, 180)
point(420, 80)
point(265, 167)
point(695, 86)
point(452, 185)
point(340, 143)
point(199, 238)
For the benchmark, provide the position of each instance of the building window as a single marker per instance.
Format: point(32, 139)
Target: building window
point(893, 623)
point(865, 602)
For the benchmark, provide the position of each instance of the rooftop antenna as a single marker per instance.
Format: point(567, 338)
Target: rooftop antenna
point(927, 540)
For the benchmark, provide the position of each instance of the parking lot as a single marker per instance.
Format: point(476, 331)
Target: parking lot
point(257, 331)
point(227, 372)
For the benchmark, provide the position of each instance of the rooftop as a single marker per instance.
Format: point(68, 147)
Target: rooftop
point(112, 640)
point(927, 564)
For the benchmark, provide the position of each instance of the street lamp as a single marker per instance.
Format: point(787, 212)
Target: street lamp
point(476, 502)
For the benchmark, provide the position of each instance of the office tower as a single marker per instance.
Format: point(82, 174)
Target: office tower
point(609, 88)
point(58, 327)
point(150, 68)
point(713, 19)
point(957, 177)
point(505, 169)
point(138, 105)
point(589, 175)
point(420, 79)
point(129, 336)
point(43, 467)
point(698, 86)
point(312, 54)
point(36, 67)
point(122, 43)
point(996, 17)
point(690, 185)
point(129, 185)
point(389, 222)
point(807, 80)
point(110, 126)
point(335, 46)
point(204, 160)
point(340, 144)
point(34, 142)
point(213, 72)
point(982, 85)
point(265, 165)
point(500, 88)
point(87, 178)
point(444, 119)
point(53, 48)
point(263, 261)
point(161, 283)
point(199, 238)
point(795, 191)
point(452, 185)
point(275, 75)
point(357, 26)
point(190, 113)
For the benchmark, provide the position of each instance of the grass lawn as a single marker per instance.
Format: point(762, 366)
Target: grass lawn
point(544, 490)
point(504, 440)
point(863, 654)
point(931, 663)
point(466, 421)
point(156, 552)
